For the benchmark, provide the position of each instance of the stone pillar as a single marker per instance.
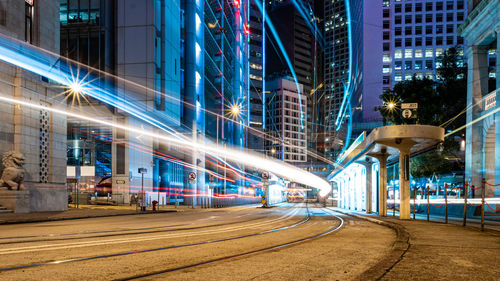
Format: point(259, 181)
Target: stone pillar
point(368, 186)
point(382, 187)
point(477, 86)
point(404, 182)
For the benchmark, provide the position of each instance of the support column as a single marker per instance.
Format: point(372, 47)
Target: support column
point(404, 182)
point(382, 188)
point(477, 86)
point(368, 184)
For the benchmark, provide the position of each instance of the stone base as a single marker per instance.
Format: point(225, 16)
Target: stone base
point(34, 200)
point(16, 200)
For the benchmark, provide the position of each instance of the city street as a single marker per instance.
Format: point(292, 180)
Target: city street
point(135, 246)
point(289, 242)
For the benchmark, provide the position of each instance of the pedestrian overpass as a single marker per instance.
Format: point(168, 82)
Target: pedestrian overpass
point(360, 173)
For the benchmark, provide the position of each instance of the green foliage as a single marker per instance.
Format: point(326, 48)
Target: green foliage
point(440, 103)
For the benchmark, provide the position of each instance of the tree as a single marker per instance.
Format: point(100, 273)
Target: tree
point(440, 103)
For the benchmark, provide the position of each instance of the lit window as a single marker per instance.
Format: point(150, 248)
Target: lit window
point(386, 69)
point(397, 78)
point(398, 65)
point(408, 53)
point(255, 77)
point(418, 53)
point(429, 75)
point(429, 53)
point(386, 58)
point(419, 75)
point(408, 77)
point(398, 54)
point(255, 66)
point(439, 52)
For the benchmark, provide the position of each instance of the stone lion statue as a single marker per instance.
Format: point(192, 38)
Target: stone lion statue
point(13, 172)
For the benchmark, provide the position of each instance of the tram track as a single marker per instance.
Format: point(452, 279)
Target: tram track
point(233, 251)
point(274, 221)
point(242, 255)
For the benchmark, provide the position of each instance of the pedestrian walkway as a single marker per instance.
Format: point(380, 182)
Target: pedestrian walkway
point(84, 211)
point(438, 251)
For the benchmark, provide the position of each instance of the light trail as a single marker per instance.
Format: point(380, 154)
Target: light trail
point(285, 55)
point(60, 70)
point(253, 159)
point(491, 200)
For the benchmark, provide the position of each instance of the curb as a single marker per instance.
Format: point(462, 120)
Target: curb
point(82, 217)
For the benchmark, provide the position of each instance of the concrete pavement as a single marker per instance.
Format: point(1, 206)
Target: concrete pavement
point(438, 251)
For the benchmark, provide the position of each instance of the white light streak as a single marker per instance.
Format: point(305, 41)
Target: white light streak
point(250, 159)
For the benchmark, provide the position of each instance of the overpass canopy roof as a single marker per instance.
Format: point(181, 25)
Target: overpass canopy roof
point(388, 140)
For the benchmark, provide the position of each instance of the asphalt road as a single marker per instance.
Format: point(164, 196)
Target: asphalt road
point(290, 242)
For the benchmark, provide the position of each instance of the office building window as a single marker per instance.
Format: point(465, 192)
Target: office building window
point(386, 35)
point(439, 40)
point(408, 76)
point(418, 30)
point(418, 7)
point(386, 80)
point(449, 40)
point(408, 30)
point(397, 42)
point(408, 53)
point(429, 53)
point(428, 41)
point(460, 40)
point(419, 75)
point(439, 29)
point(460, 5)
point(386, 46)
point(386, 68)
point(439, 52)
point(449, 28)
point(408, 65)
point(408, 42)
point(398, 65)
point(418, 65)
point(408, 19)
point(449, 5)
point(386, 24)
point(449, 17)
point(428, 18)
point(398, 54)
point(428, 7)
point(428, 29)
point(386, 58)
point(439, 6)
point(397, 78)
point(419, 53)
point(439, 17)
point(418, 41)
point(397, 8)
point(386, 13)
point(429, 65)
point(408, 8)
point(418, 18)
point(397, 31)
point(460, 16)
point(397, 19)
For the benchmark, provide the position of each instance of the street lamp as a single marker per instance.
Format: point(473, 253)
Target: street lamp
point(391, 105)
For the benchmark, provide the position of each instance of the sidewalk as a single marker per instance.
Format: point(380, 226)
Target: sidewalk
point(438, 251)
point(84, 211)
